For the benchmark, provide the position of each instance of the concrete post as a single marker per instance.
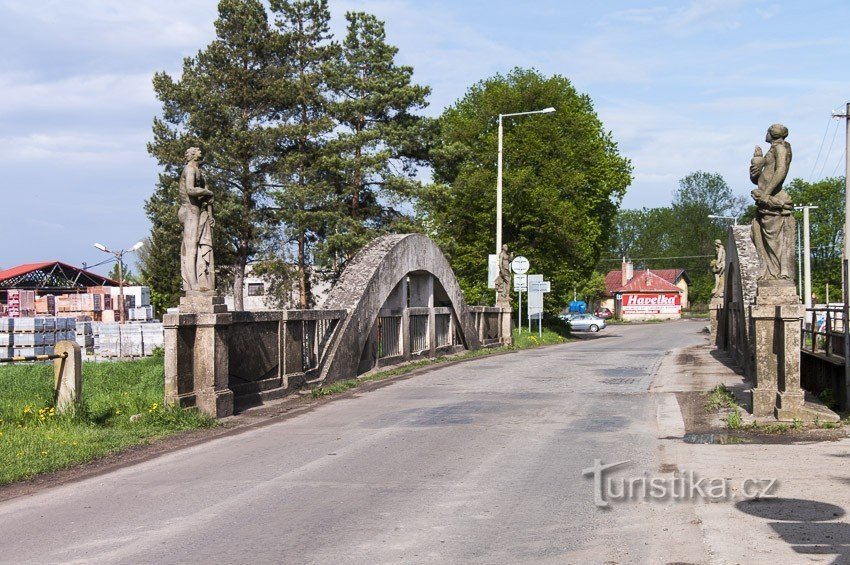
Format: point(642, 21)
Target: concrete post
point(68, 376)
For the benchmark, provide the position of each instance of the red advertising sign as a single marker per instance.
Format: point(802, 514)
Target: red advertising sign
point(652, 303)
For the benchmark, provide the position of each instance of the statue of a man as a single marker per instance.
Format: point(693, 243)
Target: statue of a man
point(503, 280)
point(774, 225)
point(718, 266)
point(196, 252)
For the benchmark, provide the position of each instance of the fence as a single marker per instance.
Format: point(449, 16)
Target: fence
point(823, 331)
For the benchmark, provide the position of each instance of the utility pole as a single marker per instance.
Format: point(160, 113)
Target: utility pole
point(806, 283)
point(845, 263)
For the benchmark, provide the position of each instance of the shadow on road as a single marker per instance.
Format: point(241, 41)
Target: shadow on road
point(809, 526)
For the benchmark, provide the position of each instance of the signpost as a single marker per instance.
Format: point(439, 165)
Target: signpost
point(536, 288)
point(520, 266)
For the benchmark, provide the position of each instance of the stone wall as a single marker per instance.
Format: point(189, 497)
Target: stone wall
point(735, 328)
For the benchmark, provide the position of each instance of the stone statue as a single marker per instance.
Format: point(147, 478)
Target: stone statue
point(774, 225)
point(718, 266)
point(196, 251)
point(503, 280)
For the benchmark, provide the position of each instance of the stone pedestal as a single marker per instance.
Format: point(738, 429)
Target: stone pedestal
point(714, 316)
point(777, 315)
point(196, 355)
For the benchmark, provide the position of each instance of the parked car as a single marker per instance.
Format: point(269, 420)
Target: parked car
point(586, 322)
point(604, 313)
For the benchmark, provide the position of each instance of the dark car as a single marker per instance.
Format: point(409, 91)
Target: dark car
point(604, 313)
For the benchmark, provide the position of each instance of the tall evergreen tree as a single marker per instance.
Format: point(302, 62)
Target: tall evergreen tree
point(221, 103)
point(380, 140)
point(304, 51)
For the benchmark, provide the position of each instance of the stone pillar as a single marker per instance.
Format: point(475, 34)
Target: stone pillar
point(777, 315)
point(68, 376)
point(196, 355)
point(715, 308)
point(507, 334)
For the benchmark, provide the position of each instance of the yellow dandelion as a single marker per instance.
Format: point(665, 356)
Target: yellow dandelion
point(44, 453)
point(27, 409)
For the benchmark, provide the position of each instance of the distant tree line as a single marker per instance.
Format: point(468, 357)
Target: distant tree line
point(315, 146)
point(682, 235)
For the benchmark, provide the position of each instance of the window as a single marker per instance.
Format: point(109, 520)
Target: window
point(255, 289)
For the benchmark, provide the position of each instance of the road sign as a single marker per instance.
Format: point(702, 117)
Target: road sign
point(541, 286)
point(520, 283)
point(519, 265)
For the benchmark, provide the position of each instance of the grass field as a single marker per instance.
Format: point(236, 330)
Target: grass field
point(34, 439)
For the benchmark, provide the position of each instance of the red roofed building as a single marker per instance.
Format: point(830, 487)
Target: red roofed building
point(646, 294)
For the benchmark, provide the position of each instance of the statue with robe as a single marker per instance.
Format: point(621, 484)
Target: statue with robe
point(197, 267)
point(774, 226)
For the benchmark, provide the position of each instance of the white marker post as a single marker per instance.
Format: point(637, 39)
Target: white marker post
point(520, 266)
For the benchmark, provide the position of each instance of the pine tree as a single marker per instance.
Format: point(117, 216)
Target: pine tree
point(304, 51)
point(223, 104)
point(380, 140)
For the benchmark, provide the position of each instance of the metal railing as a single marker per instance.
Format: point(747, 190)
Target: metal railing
point(443, 329)
point(823, 331)
point(24, 358)
point(389, 336)
point(419, 333)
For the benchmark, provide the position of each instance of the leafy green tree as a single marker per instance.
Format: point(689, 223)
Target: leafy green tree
point(563, 181)
point(127, 274)
point(826, 229)
point(380, 142)
point(222, 103)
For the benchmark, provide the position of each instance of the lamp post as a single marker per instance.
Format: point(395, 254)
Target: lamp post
point(733, 218)
point(499, 173)
point(119, 256)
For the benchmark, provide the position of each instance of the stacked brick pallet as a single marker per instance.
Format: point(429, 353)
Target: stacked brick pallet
point(127, 340)
point(98, 303)
point(34, 336)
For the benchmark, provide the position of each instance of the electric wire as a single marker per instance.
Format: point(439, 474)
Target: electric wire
point(822, 141)
point(829, 152)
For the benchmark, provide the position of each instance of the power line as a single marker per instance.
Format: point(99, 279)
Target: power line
point(657, 258)
point(829, 152)
point(843, 155)
point(822, 141)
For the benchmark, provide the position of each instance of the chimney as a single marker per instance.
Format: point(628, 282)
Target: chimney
point(627, 271)
point(648, 278)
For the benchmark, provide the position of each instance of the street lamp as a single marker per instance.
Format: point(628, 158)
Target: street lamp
point(499, 174)
point(119, 256)
point(716, 217)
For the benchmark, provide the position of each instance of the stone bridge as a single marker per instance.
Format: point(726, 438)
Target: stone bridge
point(398, 300)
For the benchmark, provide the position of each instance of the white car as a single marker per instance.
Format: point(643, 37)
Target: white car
point(586, 322)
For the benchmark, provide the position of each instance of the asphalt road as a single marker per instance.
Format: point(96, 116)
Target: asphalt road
point(481, 461)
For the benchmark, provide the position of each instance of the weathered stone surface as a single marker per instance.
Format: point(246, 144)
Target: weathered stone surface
point(774, 227)
point(368, 282)
point(197, 357)
point(735, 331)
point(197, 267)
point(68, 376)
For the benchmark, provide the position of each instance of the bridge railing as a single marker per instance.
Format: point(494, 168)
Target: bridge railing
point(823, 331)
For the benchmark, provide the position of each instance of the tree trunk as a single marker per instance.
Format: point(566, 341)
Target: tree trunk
point(239, 285)
point(303, 290)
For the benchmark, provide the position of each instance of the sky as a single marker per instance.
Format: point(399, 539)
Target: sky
point(681, 85)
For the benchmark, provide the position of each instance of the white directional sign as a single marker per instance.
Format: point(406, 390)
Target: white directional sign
point(520, 283)
point(519, 265)
point(535, 297)
point(541, 286)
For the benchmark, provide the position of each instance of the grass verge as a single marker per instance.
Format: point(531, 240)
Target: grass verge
point(34, 439)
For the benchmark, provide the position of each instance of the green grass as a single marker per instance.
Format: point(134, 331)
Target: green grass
point(525, 339)
point(34, 439)
point(720, 397)
point(734, 420)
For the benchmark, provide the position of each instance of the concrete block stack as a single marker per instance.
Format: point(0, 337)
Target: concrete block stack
point(33, 336)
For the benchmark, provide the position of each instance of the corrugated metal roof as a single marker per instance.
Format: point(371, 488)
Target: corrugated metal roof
point(48, 266)
point(641, 281)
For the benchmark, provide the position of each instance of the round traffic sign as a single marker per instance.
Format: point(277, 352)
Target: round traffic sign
point(519, 265)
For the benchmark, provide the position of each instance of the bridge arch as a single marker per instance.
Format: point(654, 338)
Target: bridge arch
point(393, 272)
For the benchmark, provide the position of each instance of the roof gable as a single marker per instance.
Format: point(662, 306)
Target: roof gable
point(644, 280)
